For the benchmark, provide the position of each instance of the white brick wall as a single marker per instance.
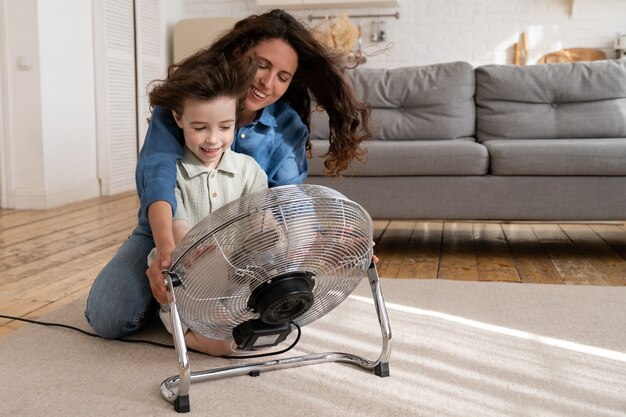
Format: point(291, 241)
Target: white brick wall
point(479, 32)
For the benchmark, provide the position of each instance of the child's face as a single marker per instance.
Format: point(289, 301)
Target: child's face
point(208, 127)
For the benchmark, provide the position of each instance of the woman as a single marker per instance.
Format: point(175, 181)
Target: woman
point(272, 127)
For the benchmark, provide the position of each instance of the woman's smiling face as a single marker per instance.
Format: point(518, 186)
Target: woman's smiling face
point(277, 63)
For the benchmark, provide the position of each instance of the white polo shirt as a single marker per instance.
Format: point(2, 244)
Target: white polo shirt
point(199, 190)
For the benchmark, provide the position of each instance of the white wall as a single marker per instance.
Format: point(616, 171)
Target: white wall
point(49, 148)
point(172, 12)
point(22, 159)
point(477, 31)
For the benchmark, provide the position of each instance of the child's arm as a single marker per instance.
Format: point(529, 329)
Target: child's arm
point(167, 231)
point(160, 218)
point(180, 229)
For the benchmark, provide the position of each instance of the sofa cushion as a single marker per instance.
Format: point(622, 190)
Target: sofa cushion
point(400, 158)
point(551, 101)
point(431, 102)
point(603, 157)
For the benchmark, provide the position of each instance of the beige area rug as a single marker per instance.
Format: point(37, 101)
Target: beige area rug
point(459, 349)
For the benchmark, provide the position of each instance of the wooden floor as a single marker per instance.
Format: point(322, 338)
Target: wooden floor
point(50, 258)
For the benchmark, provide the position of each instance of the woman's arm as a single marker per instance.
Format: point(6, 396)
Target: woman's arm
point(156, 178)
point(155, 175)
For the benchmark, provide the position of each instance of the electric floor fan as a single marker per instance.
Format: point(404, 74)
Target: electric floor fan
point(263, 265)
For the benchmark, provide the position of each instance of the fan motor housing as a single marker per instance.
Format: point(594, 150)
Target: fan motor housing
point(278, 301)
point(283, 298)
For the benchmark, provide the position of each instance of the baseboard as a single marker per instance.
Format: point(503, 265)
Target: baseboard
point(42, 200)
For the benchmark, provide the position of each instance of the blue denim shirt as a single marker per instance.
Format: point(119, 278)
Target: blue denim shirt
point(276, 140)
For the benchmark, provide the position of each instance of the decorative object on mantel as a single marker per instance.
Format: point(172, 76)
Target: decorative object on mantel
point(378, 31)
point(338, 33)
point(620, 46)
point(520, 50)
point(573, 55)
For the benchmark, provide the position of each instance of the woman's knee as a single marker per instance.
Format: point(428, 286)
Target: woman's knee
point(120, 300)
point(111, 322)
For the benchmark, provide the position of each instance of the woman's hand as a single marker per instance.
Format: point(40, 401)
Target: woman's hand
point(155, 274)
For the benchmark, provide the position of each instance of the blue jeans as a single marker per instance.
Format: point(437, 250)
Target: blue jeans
point(120, 302)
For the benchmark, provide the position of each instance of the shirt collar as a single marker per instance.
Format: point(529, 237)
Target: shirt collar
point(194, 167)
point(267, 116)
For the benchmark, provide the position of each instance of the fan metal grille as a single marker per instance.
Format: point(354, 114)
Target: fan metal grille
point(242, 245)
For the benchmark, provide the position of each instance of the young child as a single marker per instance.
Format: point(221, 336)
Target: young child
point(204, 105)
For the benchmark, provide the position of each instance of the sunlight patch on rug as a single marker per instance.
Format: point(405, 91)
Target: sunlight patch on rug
point(550, 341)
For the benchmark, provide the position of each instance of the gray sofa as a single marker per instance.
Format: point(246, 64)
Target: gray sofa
point(496, 142)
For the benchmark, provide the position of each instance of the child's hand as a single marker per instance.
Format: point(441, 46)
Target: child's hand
point(198, 252)
point(155, 274)
point(374, 257)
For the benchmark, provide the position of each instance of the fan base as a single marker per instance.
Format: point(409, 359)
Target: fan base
point(175, 389)
point(382, 369)
point(181, 404)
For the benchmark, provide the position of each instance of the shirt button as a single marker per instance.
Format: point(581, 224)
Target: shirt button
point(213, 175)
point(242, 136)
point(214, 194)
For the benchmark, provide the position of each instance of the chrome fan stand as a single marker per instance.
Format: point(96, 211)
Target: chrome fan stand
point(175, 389)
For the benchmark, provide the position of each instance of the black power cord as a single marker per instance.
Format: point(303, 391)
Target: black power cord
point(76, 329)
point(151, 342)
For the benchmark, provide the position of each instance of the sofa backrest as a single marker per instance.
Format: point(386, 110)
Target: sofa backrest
point(433, 102)
point(551, 101)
